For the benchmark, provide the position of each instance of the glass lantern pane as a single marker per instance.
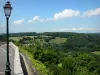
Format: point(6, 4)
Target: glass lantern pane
point(7, 12)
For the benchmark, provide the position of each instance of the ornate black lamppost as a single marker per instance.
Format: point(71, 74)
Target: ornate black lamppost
point(7, 10)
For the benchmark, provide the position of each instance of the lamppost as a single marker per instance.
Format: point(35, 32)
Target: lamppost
point(7, 10)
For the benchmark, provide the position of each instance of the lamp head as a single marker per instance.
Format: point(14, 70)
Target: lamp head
point(7, 9)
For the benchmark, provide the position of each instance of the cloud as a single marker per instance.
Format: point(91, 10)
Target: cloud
point(46, 20)
point(35, 19)
point(30, 21)
point(67, 13)
point(79, 29)
point(19, 22)
point(38, 19)
point(91, 12)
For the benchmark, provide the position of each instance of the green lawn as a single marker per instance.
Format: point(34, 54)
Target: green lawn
point(58, 40)
point(96, 52)
point(15, 38)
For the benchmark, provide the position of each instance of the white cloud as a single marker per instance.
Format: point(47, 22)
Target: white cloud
point(91, 12)
point(36, 18)
point(19, 22)
point(30, 21)
point(79, 29)
point(67, 13)
point(46, 20)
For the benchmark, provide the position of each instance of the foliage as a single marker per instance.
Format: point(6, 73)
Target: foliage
point(75, 56)
point(3, 37)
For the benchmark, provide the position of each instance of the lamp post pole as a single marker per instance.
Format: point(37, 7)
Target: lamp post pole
point(8, 70)
point(7, 10)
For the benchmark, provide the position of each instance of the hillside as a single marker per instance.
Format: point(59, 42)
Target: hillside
point(61, 53)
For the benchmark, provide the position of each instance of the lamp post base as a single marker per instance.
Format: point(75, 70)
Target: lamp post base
point(8, 70)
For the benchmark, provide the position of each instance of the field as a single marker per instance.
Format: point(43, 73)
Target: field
point(58, 40)
point(96, 52)
point(15, 38)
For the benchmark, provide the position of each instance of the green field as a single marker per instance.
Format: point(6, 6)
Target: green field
point(15, 38)
point(58, 40)
point(96, 52)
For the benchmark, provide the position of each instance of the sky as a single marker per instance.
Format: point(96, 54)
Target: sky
point(82, 16)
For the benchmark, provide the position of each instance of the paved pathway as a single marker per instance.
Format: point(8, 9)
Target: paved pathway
point(3, 59)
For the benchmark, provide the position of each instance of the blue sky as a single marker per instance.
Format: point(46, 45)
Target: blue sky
point(52, 16)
